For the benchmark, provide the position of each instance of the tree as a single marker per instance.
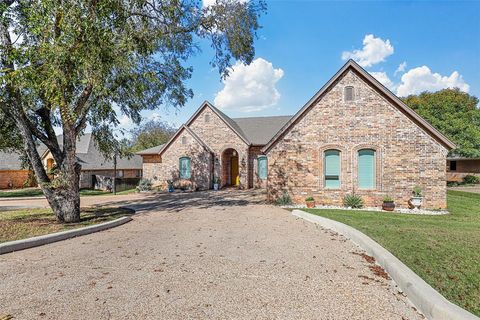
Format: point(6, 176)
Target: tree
point(455, 114)
point(72, 63)
point(150, 134)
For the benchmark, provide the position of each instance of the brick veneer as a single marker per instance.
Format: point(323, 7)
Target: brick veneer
point(13, 178)
point(406, 155)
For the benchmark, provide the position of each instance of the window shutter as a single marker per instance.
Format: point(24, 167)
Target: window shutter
point(332, 169)
point(262, 167)
point(366, 169)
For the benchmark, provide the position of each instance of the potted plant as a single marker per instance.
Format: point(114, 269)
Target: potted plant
point(417, 197)
point(216, 183)
point(388, 203)
point(310, 202)
point(170, 186)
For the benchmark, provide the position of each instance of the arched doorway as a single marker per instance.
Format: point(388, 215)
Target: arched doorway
point(230, 168)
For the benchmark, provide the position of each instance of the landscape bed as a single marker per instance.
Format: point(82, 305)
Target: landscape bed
point(442, 249)
point(22, 224)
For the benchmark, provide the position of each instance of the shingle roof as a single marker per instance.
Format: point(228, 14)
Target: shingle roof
point(153, 150)
point(10, 161)
point(259, 130)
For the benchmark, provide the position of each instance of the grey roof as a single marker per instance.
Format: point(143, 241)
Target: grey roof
point(259, 130)
point(153, 150)
point(90, 157)
point(10, 161)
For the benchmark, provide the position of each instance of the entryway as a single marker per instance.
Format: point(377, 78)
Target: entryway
point(230, 168)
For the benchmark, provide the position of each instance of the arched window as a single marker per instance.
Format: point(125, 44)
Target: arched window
point(332, 169)
point(366, 169)
point(262, 165)
point(184, 167)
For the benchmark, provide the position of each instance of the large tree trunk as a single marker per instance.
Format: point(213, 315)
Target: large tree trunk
point(64, 194)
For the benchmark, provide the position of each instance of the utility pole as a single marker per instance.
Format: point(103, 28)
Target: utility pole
point(115, 173)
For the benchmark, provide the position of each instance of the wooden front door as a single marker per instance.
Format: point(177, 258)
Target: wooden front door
point(234, 177)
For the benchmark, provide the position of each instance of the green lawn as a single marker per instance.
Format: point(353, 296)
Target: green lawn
point(21, 224)
point(35, 192)
point(443, 250)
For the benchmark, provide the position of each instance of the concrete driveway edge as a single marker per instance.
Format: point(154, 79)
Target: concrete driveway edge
point(22, 244)
point(426, 299)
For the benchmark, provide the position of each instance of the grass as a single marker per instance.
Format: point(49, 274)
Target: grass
point(444, 250)
point(21, 224)
point(36, 192)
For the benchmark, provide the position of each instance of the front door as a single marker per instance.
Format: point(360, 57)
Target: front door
point(234, 177)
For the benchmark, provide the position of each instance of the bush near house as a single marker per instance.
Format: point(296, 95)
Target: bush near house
point(442, 249)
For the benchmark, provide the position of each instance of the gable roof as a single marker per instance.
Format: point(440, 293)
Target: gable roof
point(165, 146)
point(90, 157)
point(10, 161)
point(153, 150)
point(259, 130)
point(376, 85)
point(228, 121)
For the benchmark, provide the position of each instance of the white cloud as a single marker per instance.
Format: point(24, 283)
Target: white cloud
point(250, 88)
point(374, 50)
point(401, 68)
point(421, 79)
point(384, 79)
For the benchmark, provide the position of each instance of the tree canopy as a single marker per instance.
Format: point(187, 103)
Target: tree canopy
point(150, 134)
point(75, 64)
point(455, 114)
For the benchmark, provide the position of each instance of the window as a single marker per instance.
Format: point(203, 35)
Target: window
point(262, 167)
point(332, 169)
point(184, 140)
point(207, 118)
point(349, 94)
point(138, 173)
point(366, 169)
point(453, 165)
point(185, 168)
point(120, 173)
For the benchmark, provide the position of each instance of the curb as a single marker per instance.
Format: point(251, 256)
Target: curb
point(21, 198)
point(22, 244)
point(426, 299)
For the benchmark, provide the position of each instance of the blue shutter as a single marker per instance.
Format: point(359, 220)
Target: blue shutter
point(366, 169)
point(185, 168)
point(262, 167)
point(332, 169)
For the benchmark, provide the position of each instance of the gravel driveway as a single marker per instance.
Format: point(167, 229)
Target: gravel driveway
point(200, 256)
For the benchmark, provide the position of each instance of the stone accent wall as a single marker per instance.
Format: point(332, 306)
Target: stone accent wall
point(254, 180)
point(220, 137)
point(406, 156)
point(13, 178)
point(168, 169)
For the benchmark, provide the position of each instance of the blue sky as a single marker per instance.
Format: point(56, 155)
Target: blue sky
point(303, 43)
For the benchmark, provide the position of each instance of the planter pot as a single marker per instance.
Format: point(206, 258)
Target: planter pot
point(388, 205)
point(416, 202)
point(216, 186)
point(310, 204)
point(170, 189)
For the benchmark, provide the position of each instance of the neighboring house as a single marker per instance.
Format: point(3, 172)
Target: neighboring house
point(95, 164)
point(353, 136)
point(459, 167)
point(12, 172)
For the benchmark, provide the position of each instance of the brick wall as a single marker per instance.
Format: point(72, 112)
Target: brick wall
point(13, 178)
point(464, 167)
point(168, 169)
point(254, 180)
point(219, 137)
point(406, 155)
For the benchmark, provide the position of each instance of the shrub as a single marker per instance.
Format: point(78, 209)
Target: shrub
point(452, 184)
point(353, 201)
point(284, 200)
point(387, 199)
point(309, 199)
point(144, 185)
point(417, 191)
point(471, 179)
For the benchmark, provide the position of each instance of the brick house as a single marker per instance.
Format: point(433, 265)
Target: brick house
point(352, 136)
point(13, 174)
point(95, 165)
point(459, 167)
